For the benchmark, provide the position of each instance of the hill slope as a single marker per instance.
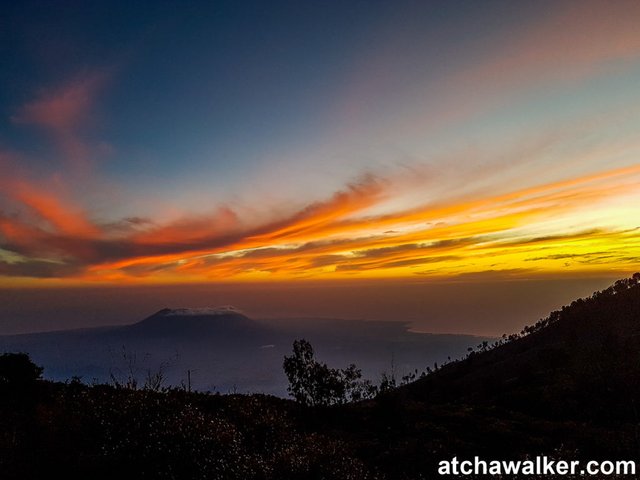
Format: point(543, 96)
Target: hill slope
point(568, 387)
point(580, 362)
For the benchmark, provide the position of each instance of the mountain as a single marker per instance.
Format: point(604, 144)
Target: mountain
point(215, 324)
point(222, 349)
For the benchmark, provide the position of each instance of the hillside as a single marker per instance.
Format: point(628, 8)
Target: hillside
point(579, 362)
point(568, 387)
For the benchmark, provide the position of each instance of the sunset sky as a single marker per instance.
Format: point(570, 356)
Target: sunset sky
point(246, 142)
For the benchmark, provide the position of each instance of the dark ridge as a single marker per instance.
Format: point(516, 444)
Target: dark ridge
point(194, 322)
point(578, 362)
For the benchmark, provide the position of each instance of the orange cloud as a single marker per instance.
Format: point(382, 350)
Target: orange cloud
point(186, 231)
point(335, 238)
point(63, 217)
point(355, 198)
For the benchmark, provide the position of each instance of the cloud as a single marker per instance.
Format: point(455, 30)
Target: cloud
point(356, 197)
point(37, 269)
point(64, 113)
point(564, 45)
point(60, 216)
point(127, 224)
point(407, 262)
point(61, 110)
point(577, 39)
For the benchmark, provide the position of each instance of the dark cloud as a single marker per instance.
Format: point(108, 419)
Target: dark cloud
point(37, 269)
point(127, 224)
point(415, 247)
point(551, 238)
point(488, 275)
point(396, 263)
point(327, 260)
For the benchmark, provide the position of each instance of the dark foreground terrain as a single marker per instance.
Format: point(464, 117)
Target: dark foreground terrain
point(567, 387)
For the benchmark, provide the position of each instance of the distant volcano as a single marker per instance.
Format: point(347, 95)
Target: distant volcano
point(218, 322)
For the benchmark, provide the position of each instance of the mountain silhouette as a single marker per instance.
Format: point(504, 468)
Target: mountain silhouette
point(216, 325)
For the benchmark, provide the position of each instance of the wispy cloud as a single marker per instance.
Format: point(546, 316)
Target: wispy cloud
point(56, 214)
point(561, 48)
point(64, 112)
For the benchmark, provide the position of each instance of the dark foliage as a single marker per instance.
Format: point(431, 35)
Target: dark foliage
point(105, 432)
point(17, 369)
point(314, 383)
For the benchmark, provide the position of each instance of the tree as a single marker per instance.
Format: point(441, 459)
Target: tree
point(314, 383)
point(18, 382)
point(18, 369)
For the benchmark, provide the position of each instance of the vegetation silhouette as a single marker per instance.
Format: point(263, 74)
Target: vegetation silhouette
point(313, 383)
point(17, 370)
point(567, 387)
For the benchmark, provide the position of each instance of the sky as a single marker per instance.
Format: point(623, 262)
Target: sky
point(322, 143)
